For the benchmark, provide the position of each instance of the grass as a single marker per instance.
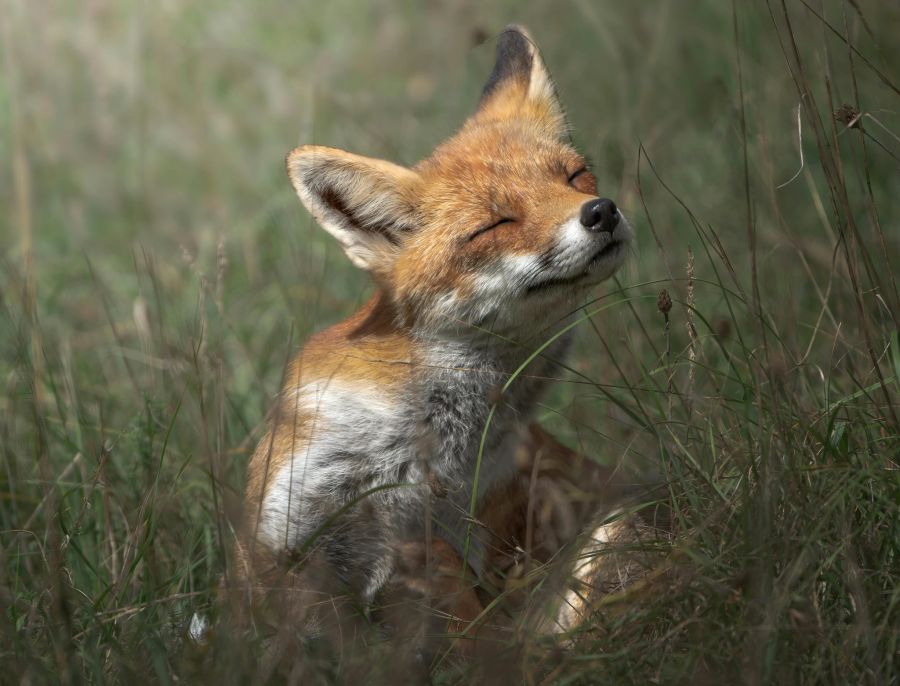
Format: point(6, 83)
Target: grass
point(156, 270)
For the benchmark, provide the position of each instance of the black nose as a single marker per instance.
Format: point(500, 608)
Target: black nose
point(599, 215)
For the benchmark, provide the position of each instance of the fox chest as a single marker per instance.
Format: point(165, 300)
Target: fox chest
point(438, 432)
point(362, 438)
point(392, 449)
point(468, 432)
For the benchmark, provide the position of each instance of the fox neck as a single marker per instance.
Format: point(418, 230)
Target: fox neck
point(487, 351)
point(464, 362)
point(478, 395)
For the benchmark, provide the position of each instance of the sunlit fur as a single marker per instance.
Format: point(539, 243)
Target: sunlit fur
point(397, 397)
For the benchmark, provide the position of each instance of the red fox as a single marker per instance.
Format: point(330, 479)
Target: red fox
point(400, 419)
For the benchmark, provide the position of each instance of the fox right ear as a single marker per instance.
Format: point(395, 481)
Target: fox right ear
point(520, 84)
point(368, 205)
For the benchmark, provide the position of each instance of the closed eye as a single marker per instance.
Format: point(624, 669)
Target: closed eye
point(484, 229)
point(578, 172)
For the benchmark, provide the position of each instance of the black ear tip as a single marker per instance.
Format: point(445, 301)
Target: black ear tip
point(518, 29)
point(514, 57)
point(514, 41)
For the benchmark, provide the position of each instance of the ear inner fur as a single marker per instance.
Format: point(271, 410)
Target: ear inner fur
point(335, 202)
point(366, 204)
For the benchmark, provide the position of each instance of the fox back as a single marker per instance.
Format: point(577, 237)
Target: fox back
point(405, 415)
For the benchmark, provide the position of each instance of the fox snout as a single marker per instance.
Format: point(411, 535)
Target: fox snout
point(600, 215)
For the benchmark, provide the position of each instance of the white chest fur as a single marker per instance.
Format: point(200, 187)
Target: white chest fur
point(376, 453)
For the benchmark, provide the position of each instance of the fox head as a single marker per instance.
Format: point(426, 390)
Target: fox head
point(497, 229)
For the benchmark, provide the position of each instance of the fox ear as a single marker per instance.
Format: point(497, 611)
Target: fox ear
point(367, 204)
point(520, 84)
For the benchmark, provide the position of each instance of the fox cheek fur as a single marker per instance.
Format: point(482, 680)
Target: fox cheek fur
point(476, 253)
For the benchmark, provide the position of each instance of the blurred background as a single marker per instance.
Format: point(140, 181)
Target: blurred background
point(156, 270)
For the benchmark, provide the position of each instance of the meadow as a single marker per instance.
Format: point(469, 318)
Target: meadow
point(157, 269)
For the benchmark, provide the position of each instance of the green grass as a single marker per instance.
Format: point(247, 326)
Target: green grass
point(156, 270)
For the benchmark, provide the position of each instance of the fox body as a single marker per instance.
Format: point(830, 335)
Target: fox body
point(478, 253)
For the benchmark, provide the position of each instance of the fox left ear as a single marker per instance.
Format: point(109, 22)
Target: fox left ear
point(368, 205)
point(520, 84)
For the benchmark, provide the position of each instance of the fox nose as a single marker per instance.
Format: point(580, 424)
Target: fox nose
point(600, 214)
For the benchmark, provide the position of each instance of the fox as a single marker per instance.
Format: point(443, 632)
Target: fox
point(401, 421)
